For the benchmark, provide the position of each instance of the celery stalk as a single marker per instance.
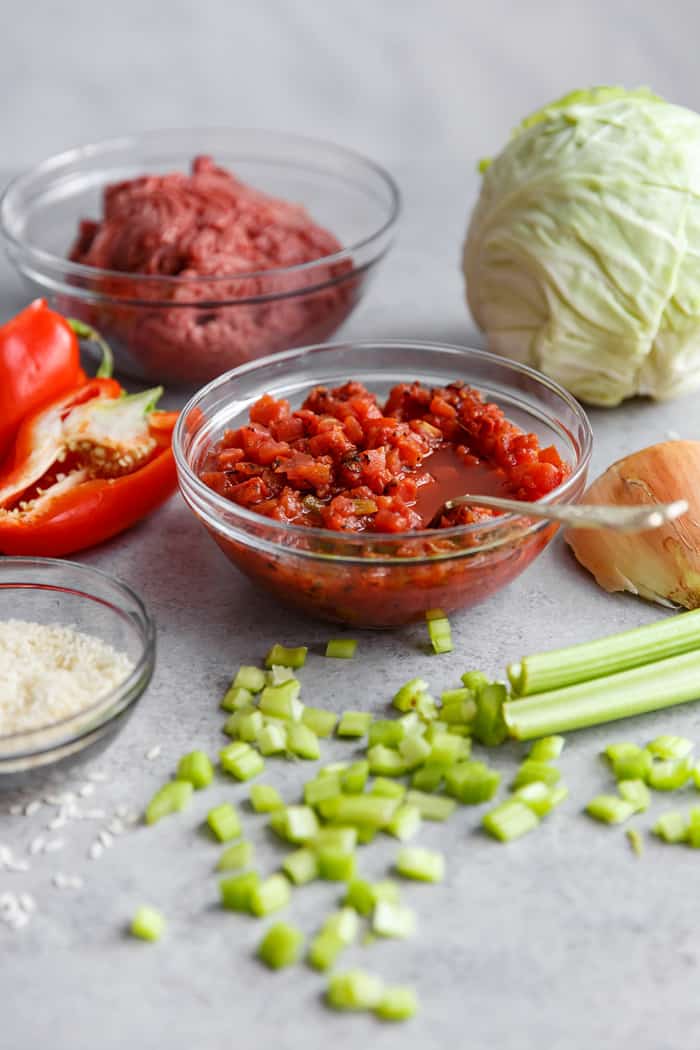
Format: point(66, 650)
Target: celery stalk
point(545, 672)
point(634, 692)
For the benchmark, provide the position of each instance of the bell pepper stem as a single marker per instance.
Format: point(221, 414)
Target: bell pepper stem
point(86, 331)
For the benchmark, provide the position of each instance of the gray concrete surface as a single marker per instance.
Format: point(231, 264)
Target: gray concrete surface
point(565, 940)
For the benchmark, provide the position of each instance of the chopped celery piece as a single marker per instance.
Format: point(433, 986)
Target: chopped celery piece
point(224, 822)
point(277, 701)
point(232, 724)
point(302, 741)
point(354, 990)
point(385, 762)
point(546, 749)
point(386, 890)
point(458, 711)
point(336, 836)
point(475, 680)
point(439, 631)
point(301, 866)
point(472, 782)
point(269, 895)
point(463, 730)
point(236, 891)
point(426, 707)
point(236, 857)
point(344, 924)
point(693, 836)
point(365, 834)
point(668, 746)
point(251, 726)
point(371, 811)
point(435, 728)
point(241, 761)
point(272, 740)
point(530, 771)
point(280, 654)
point(279, 674)
point(359, 896)
point(397, 1003)
point(510, 820)
point(148, 924)
point(405, 822)
point(235, 698)
point(489, 725)
point(281, 946)
point(332, 769)
point(609, 809)
point(424, 865)
point(171, 798)
point(354, 723)
point(386, 731)
point(324, 950)
point(265, 799)
point(296, 824)
point(364, 896)
point(669, 774)
point(321, 722)
point(335, 864)
point(406, 699)
point(629, 762)
point(321, 787)
point(671, 827)
point(393, 920)
point(414, 750)
point(354, 778)
point(197, 768)
point(636, 792)
point(431, 807)
point(541, 798)
point(635, 841)
point(341, 648)
point(456, 696)
point(446, 749)
point(387, 788)
point(429, 778)
point(250, 678)
point(412, 723)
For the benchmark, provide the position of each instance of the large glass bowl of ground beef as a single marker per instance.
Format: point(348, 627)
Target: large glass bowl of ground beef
point(322, 474)
point(194, 252)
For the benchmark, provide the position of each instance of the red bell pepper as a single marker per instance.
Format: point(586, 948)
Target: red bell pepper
point(84, 468)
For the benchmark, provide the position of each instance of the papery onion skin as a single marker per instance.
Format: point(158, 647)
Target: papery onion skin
point(661, 565)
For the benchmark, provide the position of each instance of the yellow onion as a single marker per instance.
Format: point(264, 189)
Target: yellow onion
point(662, 565)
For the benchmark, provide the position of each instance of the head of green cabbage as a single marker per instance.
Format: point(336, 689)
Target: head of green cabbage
point(582, 256)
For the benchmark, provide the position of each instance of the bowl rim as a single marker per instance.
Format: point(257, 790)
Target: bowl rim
point(503, 522)
point(72, 269)
point(114, 702)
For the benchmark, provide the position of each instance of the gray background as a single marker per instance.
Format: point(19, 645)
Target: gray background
point(564, 940)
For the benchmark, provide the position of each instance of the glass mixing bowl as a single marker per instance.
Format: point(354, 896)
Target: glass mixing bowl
point(188, 330)
point(372, 579)
point(54, 591)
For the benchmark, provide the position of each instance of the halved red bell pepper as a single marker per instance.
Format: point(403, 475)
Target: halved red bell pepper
point(39, 359)
point(84, 468)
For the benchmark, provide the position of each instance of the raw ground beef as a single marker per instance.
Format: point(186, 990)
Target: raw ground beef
point(199, 225)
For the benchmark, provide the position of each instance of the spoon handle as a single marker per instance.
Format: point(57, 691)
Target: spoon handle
point(585, 516)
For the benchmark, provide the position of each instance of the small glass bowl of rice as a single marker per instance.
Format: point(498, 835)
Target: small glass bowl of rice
point(77, 651)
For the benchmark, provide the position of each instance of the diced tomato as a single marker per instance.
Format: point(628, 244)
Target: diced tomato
point(269, 410)
point(342, 453)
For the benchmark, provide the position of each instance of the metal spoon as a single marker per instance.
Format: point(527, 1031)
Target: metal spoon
point(583, 516)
